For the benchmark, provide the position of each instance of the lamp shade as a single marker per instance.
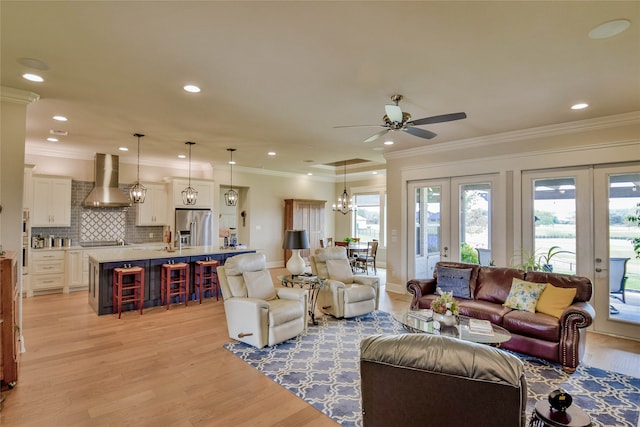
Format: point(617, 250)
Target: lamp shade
point(295, 239)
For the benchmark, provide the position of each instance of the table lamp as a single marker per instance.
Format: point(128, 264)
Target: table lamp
point(295, 240)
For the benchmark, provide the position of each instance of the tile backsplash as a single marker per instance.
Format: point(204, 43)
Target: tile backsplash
point(100, 224)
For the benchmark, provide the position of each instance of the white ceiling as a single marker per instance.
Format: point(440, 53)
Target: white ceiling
point(280, 75)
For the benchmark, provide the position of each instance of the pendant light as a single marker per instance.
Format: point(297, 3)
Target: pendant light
point(189, 194)
point(137, 192)
point(231, 196)
point(345, 202)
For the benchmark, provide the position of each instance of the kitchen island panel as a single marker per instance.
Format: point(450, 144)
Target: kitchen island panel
point(102, 263)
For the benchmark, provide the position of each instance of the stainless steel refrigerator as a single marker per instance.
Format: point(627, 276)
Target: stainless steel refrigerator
point(194, 227)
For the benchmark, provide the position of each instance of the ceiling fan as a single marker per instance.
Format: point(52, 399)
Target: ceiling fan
point(396, 119)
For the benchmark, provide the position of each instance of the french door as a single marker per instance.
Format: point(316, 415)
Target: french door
point(617, 270)
point(453, 220)
point(582, 213)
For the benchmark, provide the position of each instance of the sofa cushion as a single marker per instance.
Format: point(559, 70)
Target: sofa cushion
point(340, 270)
point(554, 300)
point(259, 285)
point(455, 280)
point(524, 295)
point(494, 283)
point(482, 310)
point(536, 325)
point(582, 284)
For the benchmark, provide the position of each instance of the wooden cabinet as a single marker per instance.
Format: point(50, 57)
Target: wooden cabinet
point(305, 215)
point(154, 210)
point(203, 187)
point(47, 272)
point(51, 202)
point(76, 270)
point(9, 328)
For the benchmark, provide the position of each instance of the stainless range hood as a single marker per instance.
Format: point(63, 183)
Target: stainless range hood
point(105, 193)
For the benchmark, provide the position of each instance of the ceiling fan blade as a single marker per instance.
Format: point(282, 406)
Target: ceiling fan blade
point(422, 133)
point(377, 135)
point(360, 126)
point(438, 119)
point(394, 113)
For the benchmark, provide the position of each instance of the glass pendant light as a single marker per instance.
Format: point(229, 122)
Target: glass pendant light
point(231, 196)
point(189, 194)
point(345, 202)
point(137, 192)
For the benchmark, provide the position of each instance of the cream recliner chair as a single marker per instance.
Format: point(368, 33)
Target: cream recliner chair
point(343, 293)
point(257, 313)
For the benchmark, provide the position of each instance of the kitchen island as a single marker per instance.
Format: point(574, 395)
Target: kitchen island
point(102, 263)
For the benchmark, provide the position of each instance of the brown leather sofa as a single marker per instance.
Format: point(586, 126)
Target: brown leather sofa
point(558, 340)
point(430, 380)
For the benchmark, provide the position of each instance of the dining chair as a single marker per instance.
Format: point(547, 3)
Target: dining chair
point(366, 259)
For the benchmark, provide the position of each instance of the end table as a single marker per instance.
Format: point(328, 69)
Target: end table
point(544, 416)
point(311, 283)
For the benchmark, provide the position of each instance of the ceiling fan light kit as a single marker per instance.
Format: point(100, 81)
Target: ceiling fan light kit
point(396, 119)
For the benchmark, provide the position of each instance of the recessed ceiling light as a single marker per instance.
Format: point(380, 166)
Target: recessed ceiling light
point(60, 118)
point(388, 143)
point(191, 88)
point(232, 162)
point(609, 29)
point(374, 173)
point(32, 77)
point(271, 153)
point(123, 149)
point(309, 173)
point(182, 156)
point(51, 139)
point(579, 106)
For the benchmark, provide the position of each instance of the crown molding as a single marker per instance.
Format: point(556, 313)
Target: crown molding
point(524, 134)
point(17, 96)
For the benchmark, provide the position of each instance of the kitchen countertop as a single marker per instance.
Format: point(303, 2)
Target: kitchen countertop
point(132, 253)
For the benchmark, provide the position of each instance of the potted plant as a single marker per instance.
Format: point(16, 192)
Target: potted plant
point(349, 239)
point(545, 260)
point(529, 261)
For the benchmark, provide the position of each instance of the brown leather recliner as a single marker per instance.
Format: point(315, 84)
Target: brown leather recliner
point(431, 380)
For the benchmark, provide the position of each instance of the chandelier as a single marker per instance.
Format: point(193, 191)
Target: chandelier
point(231, 196)
point(137, 192)
point(189, 194)
point(345, 202)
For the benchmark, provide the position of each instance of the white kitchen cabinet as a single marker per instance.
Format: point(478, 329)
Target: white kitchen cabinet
point(47, 271)
point(51, 202)
point(204, 188)
point(77, 270)
point(154, 209)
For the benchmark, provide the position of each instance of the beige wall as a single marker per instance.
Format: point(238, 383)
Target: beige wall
point(601, 141)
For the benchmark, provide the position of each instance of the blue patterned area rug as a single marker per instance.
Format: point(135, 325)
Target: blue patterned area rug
point(322, 367)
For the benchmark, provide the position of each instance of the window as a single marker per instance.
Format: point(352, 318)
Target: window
point(369, 218)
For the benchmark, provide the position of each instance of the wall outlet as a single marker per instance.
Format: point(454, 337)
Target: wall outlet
point(151, 235)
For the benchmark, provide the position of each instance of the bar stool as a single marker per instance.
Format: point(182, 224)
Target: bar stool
point(134, 287)
point(206, 278)
point(174, 282)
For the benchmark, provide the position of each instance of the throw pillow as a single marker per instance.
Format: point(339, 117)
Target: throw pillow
point(524, 295)
point(455, 280)
point(259, 285)
point(340, 270)
point(555, 300)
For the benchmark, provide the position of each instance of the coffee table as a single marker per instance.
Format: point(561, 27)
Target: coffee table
point(420, 321)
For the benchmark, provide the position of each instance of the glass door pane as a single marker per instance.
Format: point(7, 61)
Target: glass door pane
point(554, 210)
point(475, 223)
point(624, 267)
point(429, 240)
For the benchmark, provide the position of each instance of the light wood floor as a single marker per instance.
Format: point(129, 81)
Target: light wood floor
point(168, 368)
